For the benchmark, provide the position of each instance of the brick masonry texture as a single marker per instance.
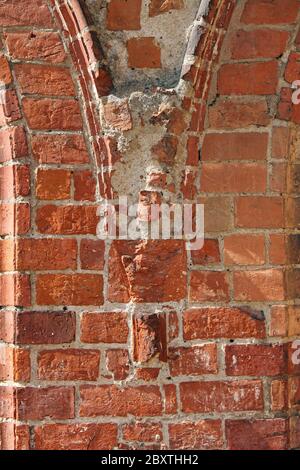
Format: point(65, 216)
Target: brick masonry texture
point(143, 344)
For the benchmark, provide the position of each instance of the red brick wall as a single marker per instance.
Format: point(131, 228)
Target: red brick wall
point(194, 349)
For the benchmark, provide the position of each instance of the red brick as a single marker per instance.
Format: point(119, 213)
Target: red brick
point(259, 285)
point(258, 43)
point(170, 399)
point(42, 254)
point(208, 286)
point(44, 80)
point(193, 151)
point(143, 53)
point(65, 149)
point(5, 73)
point(248, 79)
point(92, 254)
point(82, 436)
point(54, 114)
point(9, 107)
point(14, 437)
point(7, 326)
point(255, 360)
point(292, 71)
point(69, 289)
point(7, 401)
point(15, 290)
point(197, 360)
point(147, 374)
point(133, 265)
point(279, 395)
point(263, 434)
point(14, 364)
point(206, 397)
point(13, 144)
point(117, 362)
point(233, 177)
point(53, 184)
point(14, 219)
point(278, 249)
point(84, 186)
point(233, 115)
point(39, 403)
point(278, 179)
point(69, 364)
point(45, 327)
point(218, 213)
point(274, 12)
point(165, 150)
point(235, 146)
point(35, 46)
point(117, 114)
point(244, 249)
point(29, 13)
point(220, 322)
point(199, 435)
point(150, 337)
point(109, 400)
point(259, 212)
point(123, 15)
point(142, 432)
point(159, 7)
point(67, 220)
point(209, 253)
point(280, 141)
point(104, 327)
point(279, 321)
point(14, 181)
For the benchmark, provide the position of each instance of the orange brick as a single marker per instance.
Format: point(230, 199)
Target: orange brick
point(143, 53)
point(244, 249)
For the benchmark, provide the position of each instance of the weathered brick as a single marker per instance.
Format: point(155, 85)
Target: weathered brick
point(230, 114)
point(69, 289)
point(5, 73)
point(233, 177)
point(274, 12)
point(104, 327)
point(124, 15)
point(159, 7)
point(84, 186)
point(29, 13)
point(34, 403)
point(53, 184)
point(240, 249)
point(67, 220)
point(109, 400)
point(69, 364)
point(209, 253)
point(200, 435)
point(254, 359)
point(259, 212)
point(15, 290)
point(197, 360)
point(258, 43)
point(65, 149)
point(83, 436)
point(92, 254)
point(220, 322)
point(208, 286)
point(13, 144)
point(35, 46)
point(45, 327)
point(258, 286)
point(44, 80)
point(143, 53)
point(205, 397)
point(263, 434)
point(142, 432)
point(248, 79)
point(117, 362)
point(235, 146)
point(14, 219)
point(133, 265)
point(52, 114)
